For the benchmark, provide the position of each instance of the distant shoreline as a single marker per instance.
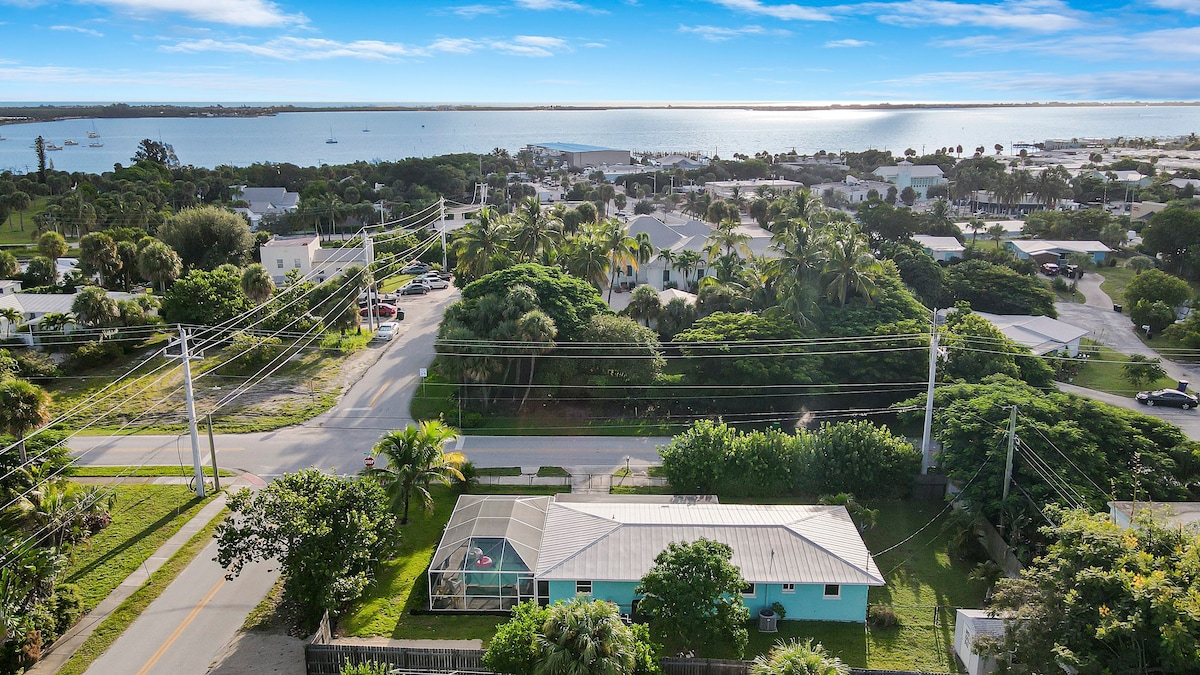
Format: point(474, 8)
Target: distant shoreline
point(56, 113)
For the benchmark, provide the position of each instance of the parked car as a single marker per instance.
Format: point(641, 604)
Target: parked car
point(387, 331)
point(1049, 269)
point(383, 310)
point(414, 288)
point(435, 282)
point(1071, 271)
point(1172, 397)
point(415, 268)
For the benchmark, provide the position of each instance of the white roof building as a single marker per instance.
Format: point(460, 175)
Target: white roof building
point(1031, 248)
point(1012, 228)
point(941, 248)
point(264, 201)
point(749, 188)
point(304, 254)
point(920, 177)
point(1041, 334)
point(618, 540)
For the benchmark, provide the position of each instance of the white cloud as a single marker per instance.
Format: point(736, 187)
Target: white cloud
point(312, 49)
point(77, 29)
point(42, 75)
point(787, 12)
point(543, 5)
point(472, 11)
point(299, 49)
point(1044, 16)
point(1175, 43)
point(722, 33)
point(848, 42)
point(1185, 6)
point(595, 45)
point(256, 13)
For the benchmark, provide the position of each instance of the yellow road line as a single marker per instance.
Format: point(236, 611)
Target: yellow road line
point(379, 393)
point(187, 621)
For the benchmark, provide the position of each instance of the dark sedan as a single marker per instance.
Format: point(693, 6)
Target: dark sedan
point(1172, 397)
point(414, 288)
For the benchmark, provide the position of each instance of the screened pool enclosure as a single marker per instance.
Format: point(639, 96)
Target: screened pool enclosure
point(487, 554)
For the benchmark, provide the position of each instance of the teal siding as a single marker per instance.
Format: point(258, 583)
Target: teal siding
point(806, 603)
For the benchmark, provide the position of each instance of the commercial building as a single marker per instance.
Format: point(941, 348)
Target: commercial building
point(920, 177)
point(304, 254)
point(579, 156)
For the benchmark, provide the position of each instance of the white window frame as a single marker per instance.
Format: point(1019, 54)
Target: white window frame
point(583, 587)
point(835, 596)
point(788, 588)
point(752, 587)
point(295, 263)
point(279, 263)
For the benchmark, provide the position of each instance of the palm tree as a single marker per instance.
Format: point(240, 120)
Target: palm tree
point(23, 406)
point(257, 283)
point(849, 265)
point(587, 259)
point(535, 327)
point(415, 460)
point(160, 264)
point(621, 249)
point(480, 243)
point(976, 225)
point(687, 262)
point(94, 308)
point(53, 246)
point(20, 201)
point(667, 256)
point(534, 232)
point(584, 637)
point(725, 238)
point(798, 658)
point(12, 317)
point(796, 268)
point(54, 322)
point(996, 232)
point(644, 304)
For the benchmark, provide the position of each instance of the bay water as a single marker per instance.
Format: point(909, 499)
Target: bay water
point(302, 137)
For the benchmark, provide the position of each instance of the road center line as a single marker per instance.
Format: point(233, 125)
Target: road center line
point(187, 621)
point(379, 393)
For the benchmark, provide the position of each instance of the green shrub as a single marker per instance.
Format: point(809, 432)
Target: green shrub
point(35, 366)
point(882, 616)
point(253, 351)
point(366, 668)
point(94, 354)
point(66, 607)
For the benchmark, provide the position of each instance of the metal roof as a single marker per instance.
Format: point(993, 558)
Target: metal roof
point(517, 519)
point(618, 541)
point(574, 147)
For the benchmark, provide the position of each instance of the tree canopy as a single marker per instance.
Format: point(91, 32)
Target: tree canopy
point(206, 298)
point(208, 237)
point(693, 596)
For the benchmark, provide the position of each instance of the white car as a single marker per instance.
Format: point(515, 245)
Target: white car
point(435, 282)
point(387, 331)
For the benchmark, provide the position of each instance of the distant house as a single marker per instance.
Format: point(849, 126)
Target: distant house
point(500, 550)
point(681, 162)
point(943, 249)
point(1185, 183)
point(1046, 250)
point(33, 307)
point(1012, 228)
point(1141, 211)
point(1128, 179)
point(304, 254)
point(855, 190)
point(723, 189)
point(264, 201)
point(920, 177)
point(676, 238)
point(1041, 334)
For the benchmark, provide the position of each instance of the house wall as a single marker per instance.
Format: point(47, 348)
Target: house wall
point(807, 603)
point(271, 255)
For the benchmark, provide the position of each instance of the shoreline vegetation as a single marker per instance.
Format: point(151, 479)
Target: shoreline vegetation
point(56, 113)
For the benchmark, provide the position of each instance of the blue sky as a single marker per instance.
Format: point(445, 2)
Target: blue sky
point(575, 51)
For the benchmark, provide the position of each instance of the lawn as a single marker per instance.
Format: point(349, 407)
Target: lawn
point(169, 470)
point(144, 517)
point(24, 242)
point(307, 385)
point(1115, 281)
point(400, 583)
point(1104, 372)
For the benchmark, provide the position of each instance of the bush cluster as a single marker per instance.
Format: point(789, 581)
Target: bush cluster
point(857, 457)
point(93, 355)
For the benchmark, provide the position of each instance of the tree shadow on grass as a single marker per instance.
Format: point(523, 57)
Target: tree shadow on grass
point(134, 540)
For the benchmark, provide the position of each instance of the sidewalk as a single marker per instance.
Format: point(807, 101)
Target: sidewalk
point(67, 644)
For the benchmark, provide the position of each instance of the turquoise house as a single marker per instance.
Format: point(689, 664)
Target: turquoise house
point(810, 559)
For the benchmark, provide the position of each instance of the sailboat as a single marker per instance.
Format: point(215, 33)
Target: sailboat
point(331, 140)
point(366, 128)
point(93, 133)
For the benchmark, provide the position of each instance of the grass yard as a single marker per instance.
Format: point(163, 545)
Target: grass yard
point(392, 284)
point(306, 386)
point(13, 238)
point(400, 585)
point(1103, 372)
point(144, 517)
point(1115, 281)
point(141, 471)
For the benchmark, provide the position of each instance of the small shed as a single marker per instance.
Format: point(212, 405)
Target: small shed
point(969, 624)
point(486, 557)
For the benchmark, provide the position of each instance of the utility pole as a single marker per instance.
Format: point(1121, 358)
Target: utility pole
point(442, 217)
point(212, 453)
point(186, 357)
point(1008, 459)
point(369, 254)
point(927, 430)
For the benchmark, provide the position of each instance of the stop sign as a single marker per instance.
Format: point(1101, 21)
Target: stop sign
point(369, 461)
